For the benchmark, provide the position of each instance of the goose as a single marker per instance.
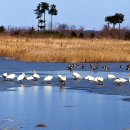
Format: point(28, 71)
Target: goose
point(110, 76)
point(21, 77)
point(76, 75)
point(11, 77)
point(35, 75)
point(83, 66)
point(106, 67)
point(89, 78)
point(70, 68)
point(48, 78)
point(121, 66)
point(128, 67)
point(62, 79)
point(74, 65)
point(94, 67)
point(4, 75)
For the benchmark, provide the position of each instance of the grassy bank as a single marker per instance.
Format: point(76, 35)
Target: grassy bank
point(65, 50)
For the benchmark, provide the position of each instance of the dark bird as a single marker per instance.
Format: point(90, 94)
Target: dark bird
point(83, 66)
point(128, 67)
point(121, 66)
point(106, 68)
point(70, 68)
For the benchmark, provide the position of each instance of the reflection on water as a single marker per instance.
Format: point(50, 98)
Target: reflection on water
point(48, 89)
point(21, 89)
point(35, 89)
point(62, 87)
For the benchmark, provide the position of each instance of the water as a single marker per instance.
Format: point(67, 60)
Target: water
point(80, 105)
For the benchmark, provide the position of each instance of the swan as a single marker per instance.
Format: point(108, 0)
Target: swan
point(62, 78)
point(21, 77)
point(89, 78)
point(119, 81)
point(123, 80)
point(48, 78)
point(110, 76)
point(100, 80)
point(96, 79)
point(4, 75)
point(35, 75)
point(76, 75)
point(11, 77)
point(30, 78)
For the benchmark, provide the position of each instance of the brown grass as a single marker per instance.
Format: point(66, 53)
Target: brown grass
point(65, 50)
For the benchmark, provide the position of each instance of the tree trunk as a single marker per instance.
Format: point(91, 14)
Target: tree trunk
point(51, 23)
point(38, 24)
point(119, 31)
point(108, 25)
point(114, 26)
point(119, 26)
point(44, 21)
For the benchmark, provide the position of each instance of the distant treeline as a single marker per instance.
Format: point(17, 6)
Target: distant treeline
point(66, 31)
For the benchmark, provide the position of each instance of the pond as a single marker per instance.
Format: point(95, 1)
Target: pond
point(78, 105)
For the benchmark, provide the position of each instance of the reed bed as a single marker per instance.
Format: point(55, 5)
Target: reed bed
point(64, 50)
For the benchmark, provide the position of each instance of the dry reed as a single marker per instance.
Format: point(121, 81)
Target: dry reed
point(65, 50)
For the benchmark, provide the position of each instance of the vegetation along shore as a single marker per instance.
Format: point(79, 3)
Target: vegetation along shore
point(65, 49)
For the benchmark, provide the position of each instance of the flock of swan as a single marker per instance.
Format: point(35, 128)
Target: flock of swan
point(62, 78)
point(34, 76)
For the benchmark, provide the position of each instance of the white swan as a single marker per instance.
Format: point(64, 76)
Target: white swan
point(119, 81)
point(110, 76)
point(30, 78)
point(21, 77)
point(99, 80)
point(76, 75)
point(11, 77)
point(123, 80)
point(62, 78)
point(48, 78)
point(89, 78)
point(96, 79)
point(35, 75)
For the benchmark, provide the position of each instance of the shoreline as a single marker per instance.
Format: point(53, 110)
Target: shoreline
point(13, 58)
point(65, 50)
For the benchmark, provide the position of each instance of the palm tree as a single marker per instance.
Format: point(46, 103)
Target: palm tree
point(108, 19)
point(39, 14)
point(44, 8)
point(119, 18)
point(52, 11)
point(113, 20)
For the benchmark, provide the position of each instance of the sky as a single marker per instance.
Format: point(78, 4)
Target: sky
point(87, 13)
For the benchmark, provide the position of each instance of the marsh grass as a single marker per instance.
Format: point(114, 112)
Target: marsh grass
point(64, 50)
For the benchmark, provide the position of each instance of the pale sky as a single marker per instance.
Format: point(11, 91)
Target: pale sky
point(87, 13)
